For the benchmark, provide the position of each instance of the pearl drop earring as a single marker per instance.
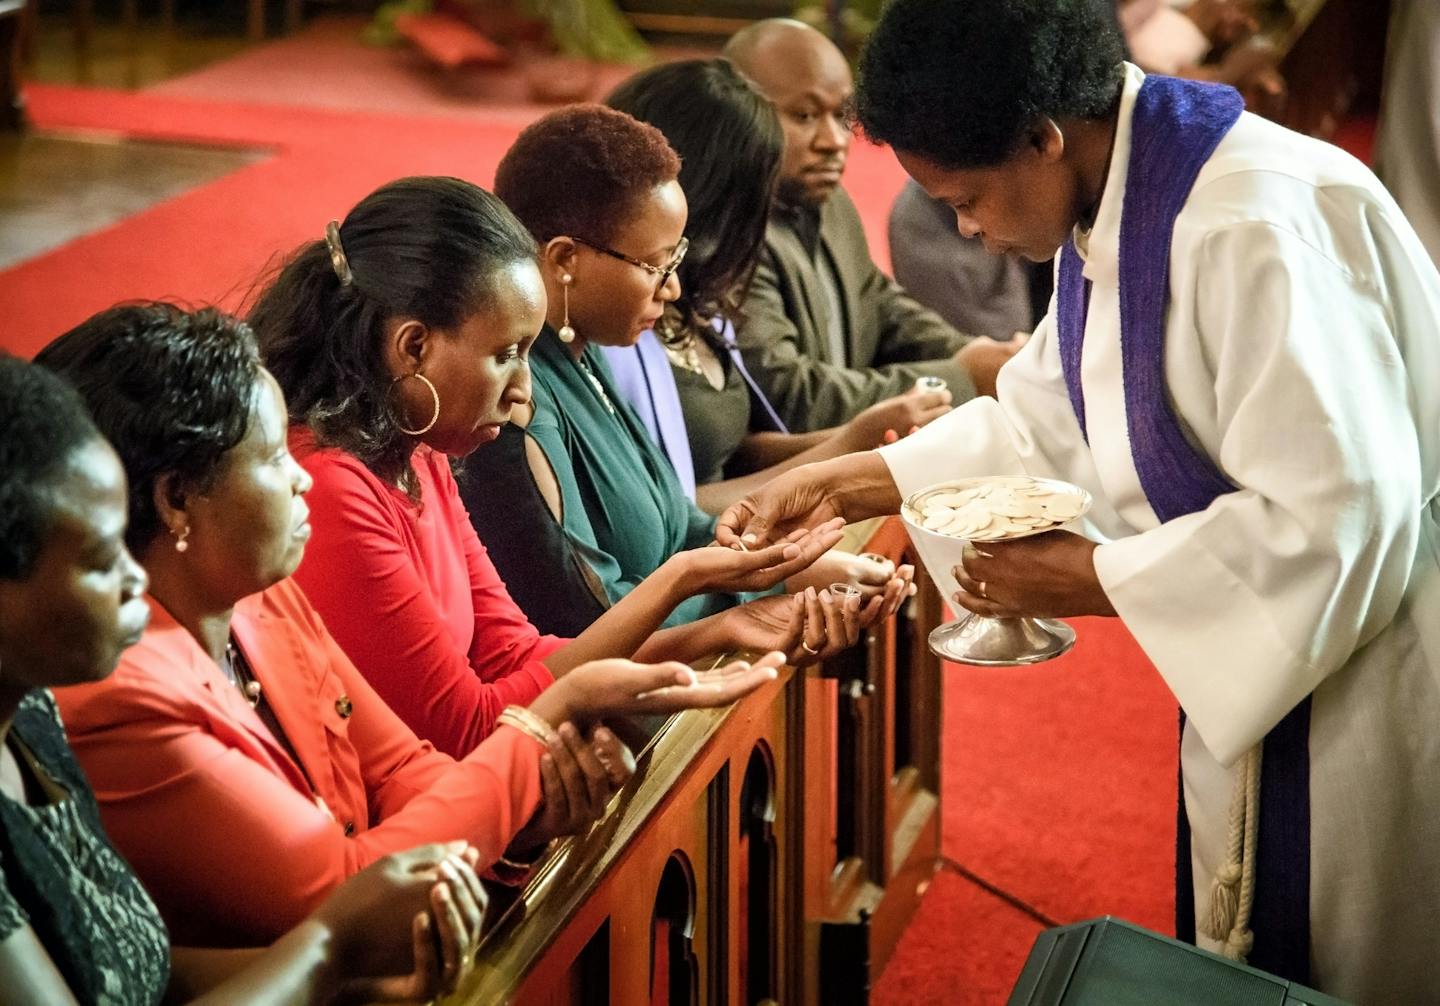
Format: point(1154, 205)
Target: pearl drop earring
point(566, 333)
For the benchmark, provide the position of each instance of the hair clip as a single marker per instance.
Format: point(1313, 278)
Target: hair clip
point(338, 261)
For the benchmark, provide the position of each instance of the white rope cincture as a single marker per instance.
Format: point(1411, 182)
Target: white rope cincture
point(1232, 890)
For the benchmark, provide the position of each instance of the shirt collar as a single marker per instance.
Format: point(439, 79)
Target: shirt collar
point(804, 220)
point(1100, 246)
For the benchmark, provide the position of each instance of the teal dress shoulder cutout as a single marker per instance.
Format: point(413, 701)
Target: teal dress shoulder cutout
point(623, 510)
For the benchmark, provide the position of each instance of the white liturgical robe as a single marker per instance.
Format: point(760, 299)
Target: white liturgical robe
point(1302, 355)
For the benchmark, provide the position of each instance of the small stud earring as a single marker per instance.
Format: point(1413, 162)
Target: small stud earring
point(566, 333)
point(180, 543)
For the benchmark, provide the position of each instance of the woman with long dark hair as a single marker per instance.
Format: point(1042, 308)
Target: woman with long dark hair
point(236, 730)
point(725, 440)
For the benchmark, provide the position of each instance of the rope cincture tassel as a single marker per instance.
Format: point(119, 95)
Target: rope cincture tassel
point(1232, 890)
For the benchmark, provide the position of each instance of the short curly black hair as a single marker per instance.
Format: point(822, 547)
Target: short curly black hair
point(171, 389)
point(960, 82)
point(43, 423)
point(581, 171)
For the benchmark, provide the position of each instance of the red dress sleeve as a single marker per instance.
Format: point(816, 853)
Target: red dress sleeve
point(413, 600)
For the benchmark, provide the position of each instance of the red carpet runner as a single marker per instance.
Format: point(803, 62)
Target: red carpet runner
point(1060, 792)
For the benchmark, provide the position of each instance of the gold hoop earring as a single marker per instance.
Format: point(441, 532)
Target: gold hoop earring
point(181, 544)
point(434, 395)
point(566, 333)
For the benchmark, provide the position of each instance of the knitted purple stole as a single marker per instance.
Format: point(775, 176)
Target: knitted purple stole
point(1177, 125)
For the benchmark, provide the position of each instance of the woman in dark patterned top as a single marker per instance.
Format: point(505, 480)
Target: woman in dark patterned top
point(75, 924)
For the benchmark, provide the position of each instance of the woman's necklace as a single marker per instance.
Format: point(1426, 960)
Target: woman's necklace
point(595, 383)
point(238, 671)
point(680, 347)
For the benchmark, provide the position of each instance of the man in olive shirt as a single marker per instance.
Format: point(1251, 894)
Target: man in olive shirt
point(825, 333)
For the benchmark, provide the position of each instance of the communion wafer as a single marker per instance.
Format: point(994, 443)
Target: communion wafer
point(996, 508)
point(952, 500)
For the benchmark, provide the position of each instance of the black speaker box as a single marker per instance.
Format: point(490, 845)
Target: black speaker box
point(1109, 962)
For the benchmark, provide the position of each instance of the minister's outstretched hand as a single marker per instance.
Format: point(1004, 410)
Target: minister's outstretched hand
point(852, 487)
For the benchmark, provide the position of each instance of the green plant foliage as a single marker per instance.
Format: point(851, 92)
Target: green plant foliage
point(592, 29)
point(857, 21)
point(381, 31)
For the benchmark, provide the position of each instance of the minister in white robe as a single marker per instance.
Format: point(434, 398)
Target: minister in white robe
point(1302, 357)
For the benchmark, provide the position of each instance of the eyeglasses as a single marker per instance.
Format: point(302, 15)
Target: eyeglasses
point(662, 272)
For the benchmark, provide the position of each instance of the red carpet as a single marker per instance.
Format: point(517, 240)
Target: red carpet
point(1059, 790)
point(326, 66)
point(212, 242)
point(964, 948)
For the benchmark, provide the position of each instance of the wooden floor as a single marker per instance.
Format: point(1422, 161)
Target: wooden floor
point(55, 187)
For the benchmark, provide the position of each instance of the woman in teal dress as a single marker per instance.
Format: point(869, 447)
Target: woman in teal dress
point(618, 489)
point(575, 491)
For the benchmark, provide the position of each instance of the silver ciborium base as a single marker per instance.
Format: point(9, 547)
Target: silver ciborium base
point(1001, 642)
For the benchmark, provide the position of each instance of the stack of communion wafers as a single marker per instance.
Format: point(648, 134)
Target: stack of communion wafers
point(989, 509)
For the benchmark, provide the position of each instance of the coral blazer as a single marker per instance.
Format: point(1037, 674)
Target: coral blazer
point(235, 840)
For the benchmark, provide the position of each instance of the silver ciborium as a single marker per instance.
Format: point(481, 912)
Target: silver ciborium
point(942, 519)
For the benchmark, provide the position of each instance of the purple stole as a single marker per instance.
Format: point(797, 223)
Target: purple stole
point(1176, 127)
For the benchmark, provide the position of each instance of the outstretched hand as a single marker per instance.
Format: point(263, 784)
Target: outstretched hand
point(616, 687)
point(787, 502)
point(813, 625)
point(899, 415)
point(713, 569)
point(850, 488)
point(807, 627)
point(982, 358)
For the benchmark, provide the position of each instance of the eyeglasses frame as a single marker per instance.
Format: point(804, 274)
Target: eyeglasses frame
point(663, 272)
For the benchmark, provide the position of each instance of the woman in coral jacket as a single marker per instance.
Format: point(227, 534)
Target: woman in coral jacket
point(241, 763)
